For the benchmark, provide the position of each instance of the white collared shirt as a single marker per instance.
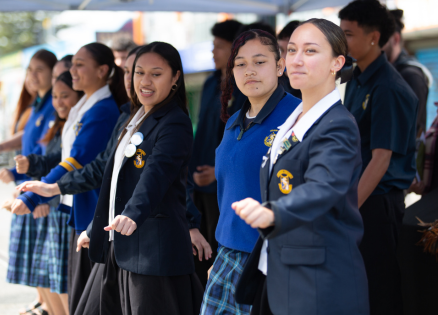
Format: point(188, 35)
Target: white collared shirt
point(300, 129)
point(118, 160)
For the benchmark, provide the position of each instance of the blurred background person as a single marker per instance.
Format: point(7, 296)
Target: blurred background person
point(29, 231)
point(414, 73)
point(53, 254)
point(283, 39)
point(385, 108)
point(63, 64)
point(209, 132)
point(86, 133)
point(121, 47)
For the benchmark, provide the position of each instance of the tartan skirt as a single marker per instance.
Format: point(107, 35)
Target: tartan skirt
point(27, 257)
point(57, 244)
point(219, 295)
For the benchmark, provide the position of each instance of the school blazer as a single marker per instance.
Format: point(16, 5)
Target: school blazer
point(151, 190)
point(314, 263)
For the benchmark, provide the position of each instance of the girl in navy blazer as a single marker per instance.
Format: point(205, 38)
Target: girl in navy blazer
point(307, 260)
point(139, 229)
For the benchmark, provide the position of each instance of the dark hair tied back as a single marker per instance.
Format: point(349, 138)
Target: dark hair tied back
point(337, 40)
point(103, 55)
point(229, 83)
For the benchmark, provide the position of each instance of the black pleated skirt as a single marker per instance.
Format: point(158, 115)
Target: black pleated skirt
point(152, 295)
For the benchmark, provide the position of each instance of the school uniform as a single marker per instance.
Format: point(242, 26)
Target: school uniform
point(385, 109)
point(52, 256)
point(152, 269)
point(27, 232)
point(85, 134)
point(237, 168)
point(309, 262)
point(209, 132)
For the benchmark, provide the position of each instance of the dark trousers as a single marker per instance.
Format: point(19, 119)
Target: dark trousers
point(79, 269)
point(89, 304)
point(382, 217)
point(208, 206)
point(128, 293)
point(261, 303)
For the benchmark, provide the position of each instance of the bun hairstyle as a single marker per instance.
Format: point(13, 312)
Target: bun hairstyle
point(103, 55)
point(67, 79)
point(398, 19)
point(337, 40)
point(47, 57)
point(67, 60)
point(172, 57)
point(229, 83)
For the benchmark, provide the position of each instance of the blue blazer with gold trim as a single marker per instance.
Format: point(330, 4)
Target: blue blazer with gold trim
point(151, 190)
point(314, 263)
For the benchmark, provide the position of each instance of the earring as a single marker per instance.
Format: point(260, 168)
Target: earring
point(333, 73)
point(174, 87)
point(372, 43)
point(280, 72)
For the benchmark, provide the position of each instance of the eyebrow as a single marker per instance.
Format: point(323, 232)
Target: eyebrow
point(305, 44)
point(258, 55)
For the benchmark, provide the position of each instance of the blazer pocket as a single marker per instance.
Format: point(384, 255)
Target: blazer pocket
point(310, 256)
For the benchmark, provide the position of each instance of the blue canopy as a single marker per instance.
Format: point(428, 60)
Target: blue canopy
point(263, 7)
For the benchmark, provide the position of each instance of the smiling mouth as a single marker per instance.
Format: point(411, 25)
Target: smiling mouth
point(146, 93)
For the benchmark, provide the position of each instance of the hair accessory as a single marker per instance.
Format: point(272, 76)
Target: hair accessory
point(112, 73)
point(346, 73)
point(174, 87)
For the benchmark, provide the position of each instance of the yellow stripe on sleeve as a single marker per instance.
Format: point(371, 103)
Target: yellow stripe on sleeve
point(67, 166)
point(75, 163)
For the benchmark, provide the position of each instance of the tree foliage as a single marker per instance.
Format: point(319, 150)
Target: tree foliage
point(19, 30)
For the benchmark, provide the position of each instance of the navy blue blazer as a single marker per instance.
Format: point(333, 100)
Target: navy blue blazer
point(314, 263)
point(151, 190)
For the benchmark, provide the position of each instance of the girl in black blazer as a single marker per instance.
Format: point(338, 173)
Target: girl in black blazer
point(139, 229)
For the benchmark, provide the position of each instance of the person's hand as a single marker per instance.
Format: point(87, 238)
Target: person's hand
point(19, 207)
point(204, 175)
point(253, 213)
point(6, 176)
point(200, 244)
point(21, 164)
point(208, 272)
point(83, 241)
point(123, 225)
point(8, 204)
point(40, 188)
point(417, 187)
point(41, 211)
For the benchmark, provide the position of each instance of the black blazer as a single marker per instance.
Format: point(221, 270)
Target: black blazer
point(151, 190)
point(314, 263)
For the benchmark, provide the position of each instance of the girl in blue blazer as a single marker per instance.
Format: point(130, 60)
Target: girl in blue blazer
point(85, 134)
point(307, 260)
point(256, 67)
point(29, 231)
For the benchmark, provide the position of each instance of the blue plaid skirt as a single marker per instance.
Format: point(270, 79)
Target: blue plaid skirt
point(221, 286)
point(57, 243)
point(27, 258)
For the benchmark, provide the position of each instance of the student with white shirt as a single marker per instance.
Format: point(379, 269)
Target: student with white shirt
point(307, 260)
point(85, 134)
point(139, 228)
point(256, 68)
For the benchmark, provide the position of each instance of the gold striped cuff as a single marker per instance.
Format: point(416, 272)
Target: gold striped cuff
point(70, 164)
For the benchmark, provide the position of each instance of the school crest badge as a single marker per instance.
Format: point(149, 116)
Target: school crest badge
point(39, 120)
point(269, 140)
point(365, 103)
point(138, 161)
point(284, 185)
point(294, 137)
point(77, 127)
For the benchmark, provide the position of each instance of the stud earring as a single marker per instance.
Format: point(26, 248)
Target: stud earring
point(333, 73)
point(280, 72)
point(372, 43)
